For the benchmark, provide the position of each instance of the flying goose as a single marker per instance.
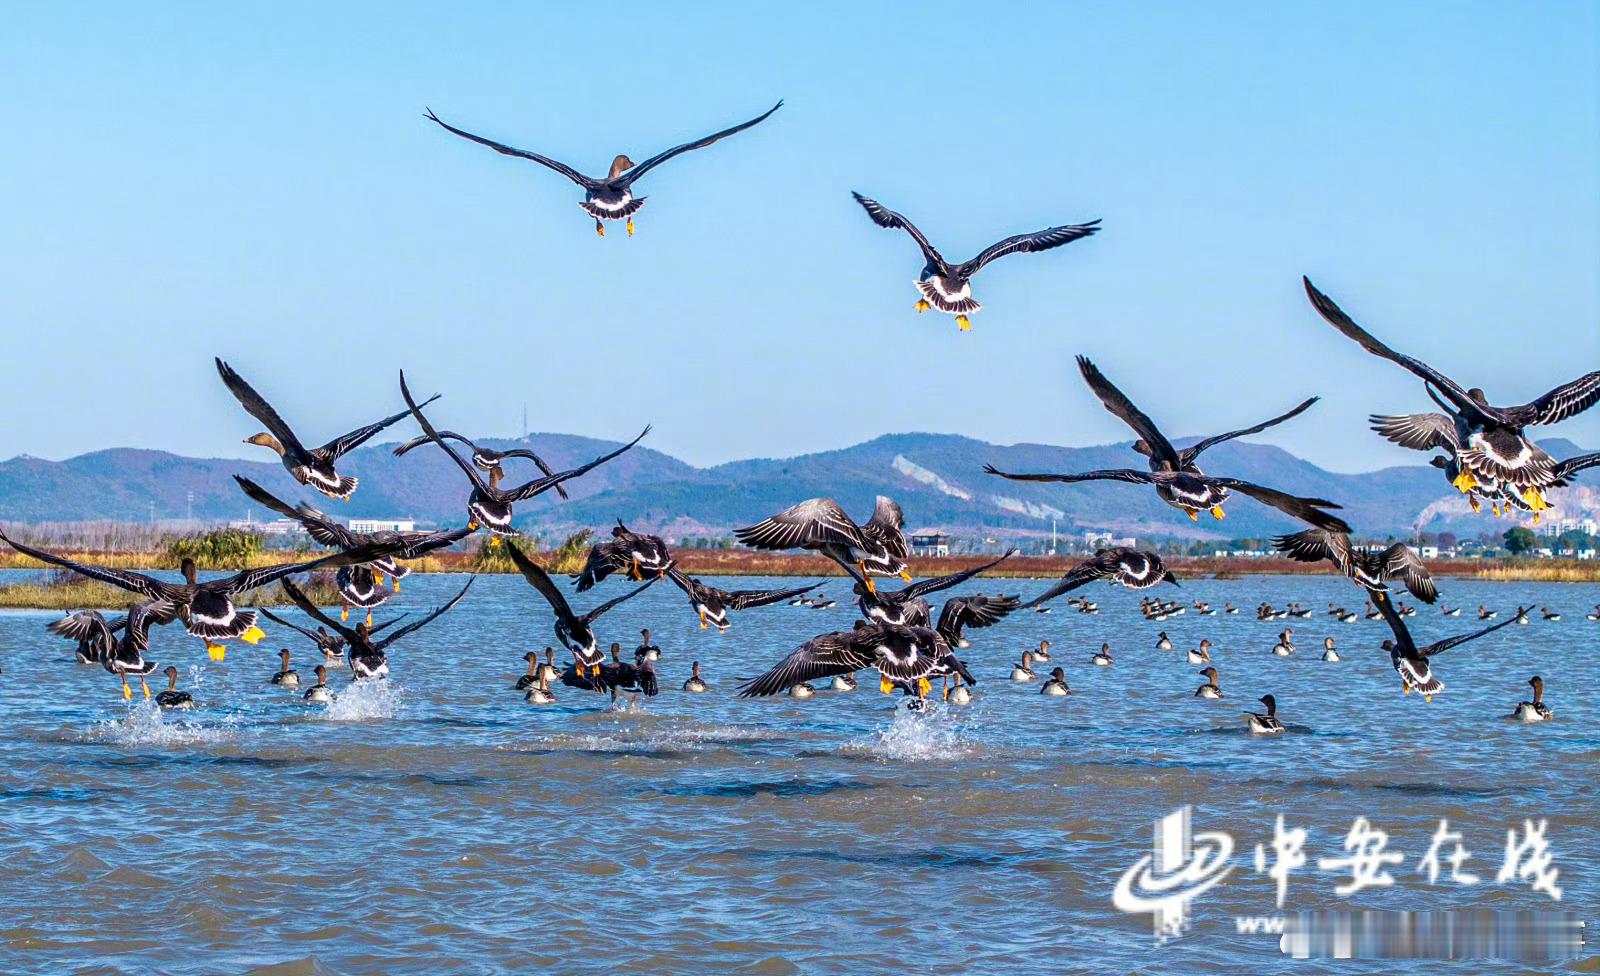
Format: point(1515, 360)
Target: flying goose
point(948, 287)
point(610, 198)
point(309, 466)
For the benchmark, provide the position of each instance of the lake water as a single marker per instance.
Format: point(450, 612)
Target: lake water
point(436, 823)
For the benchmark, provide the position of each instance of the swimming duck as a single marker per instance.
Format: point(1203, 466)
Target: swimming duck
point(647, 649)
point(696, 684)
point(903, 655)
point(1229, 608)
point(328, 532)
point(948, 287)
point(1285, 645)
point(1024, 670)
point(489, 505)
point(320, 693)
point(314, 466)
point(1133, 568)
point(1212, 688)
point(540, 693)
point(1370, 567)
point(610, 198)
point(1536, 710)
point(713, 604)
point(368, 657)
point(575, 632)
point(823, 604)
point(1411, 661)
point(1057, 685)
point(207, 609)
point(958, 693)
point(547, 670)
point(1595, 615)
point(1163, 642)
point(172, 697)
point(802, 690)
point(1203, 654)
point(486, 458)
point(1522, 617)
point(844, 682)
point(1102, 657)
point(1481, 437)
point(631, 552)
point(95, 635)
point(876, 548)
point(1484, 613)
point(1549, 614)
point(286, 676)
point(525, 681)
point(1042, 652)
point(1373, 612)
point(1267, 724)
point(1173, 473)
point(1328, 653)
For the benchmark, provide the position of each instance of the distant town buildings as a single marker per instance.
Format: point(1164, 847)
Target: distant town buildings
point(281, 526)
point(1105, 540)
point(383, 525)
point(929, 544)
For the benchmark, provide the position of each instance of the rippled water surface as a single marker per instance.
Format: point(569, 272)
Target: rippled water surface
point(436, 823)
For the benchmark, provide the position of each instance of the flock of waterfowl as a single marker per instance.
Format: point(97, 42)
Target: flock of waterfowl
point(1486, 455)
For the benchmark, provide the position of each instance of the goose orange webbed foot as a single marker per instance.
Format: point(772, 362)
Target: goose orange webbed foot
point(599, 229)
point(922, 306)
point(630, 226)
point(963, 323)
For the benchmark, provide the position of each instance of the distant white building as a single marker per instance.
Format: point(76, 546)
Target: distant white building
point(1429, 552)
point(383, 525)
point(281, 526)
point(929, 544)
point(1105, 540)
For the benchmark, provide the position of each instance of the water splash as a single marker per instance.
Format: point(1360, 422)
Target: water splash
point(934, 733)
point(364, 700)
point(146, 724)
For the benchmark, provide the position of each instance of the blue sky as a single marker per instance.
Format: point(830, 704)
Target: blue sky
point(187, 181)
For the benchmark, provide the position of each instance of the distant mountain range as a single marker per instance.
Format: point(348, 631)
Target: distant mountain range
point(937, 478)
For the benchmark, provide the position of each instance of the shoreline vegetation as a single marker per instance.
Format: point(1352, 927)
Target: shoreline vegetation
point(63, 591)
